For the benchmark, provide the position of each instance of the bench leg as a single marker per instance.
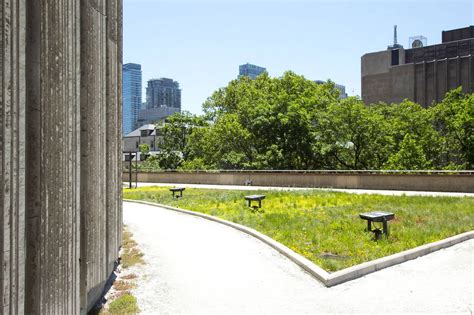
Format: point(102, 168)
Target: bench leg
point(260, 203)
point(369, 226)
point(385, 228)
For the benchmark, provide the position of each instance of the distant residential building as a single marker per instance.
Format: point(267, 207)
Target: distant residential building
point(132, 95)
point(250, 70)
point(146, 134)
point(340, 87)
point(163, 92)
point(422, 74)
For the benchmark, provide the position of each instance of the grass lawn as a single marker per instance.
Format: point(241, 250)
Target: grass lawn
point(325, 226)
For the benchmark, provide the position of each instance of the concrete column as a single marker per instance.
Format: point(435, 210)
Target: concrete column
point(113, 130)
point(53, 168)
point(120, 120)
point(60, 215)
point(12, 156)
point(100, 143)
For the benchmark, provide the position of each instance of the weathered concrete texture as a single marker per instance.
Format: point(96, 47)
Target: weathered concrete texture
point(53, 169)
point(100, 144)
point(417, 182)
point(113, 131)
point(60, 215)
point(93, 150)
point(12, 157)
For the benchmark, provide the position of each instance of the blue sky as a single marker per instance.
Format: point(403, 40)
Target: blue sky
point(201, 43)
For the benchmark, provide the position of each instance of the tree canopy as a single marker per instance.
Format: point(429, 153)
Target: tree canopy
point(294, 123)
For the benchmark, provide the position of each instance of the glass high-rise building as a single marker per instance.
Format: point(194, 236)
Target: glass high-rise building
point(132, 95)
point(250, 70)
point(163, 92)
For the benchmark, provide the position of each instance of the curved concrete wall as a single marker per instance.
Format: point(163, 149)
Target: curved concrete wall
point(390, 181)
point(60, 112)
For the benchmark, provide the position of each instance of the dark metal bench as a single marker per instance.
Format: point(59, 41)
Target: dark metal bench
point(377, 216)
point(175, 190)
point(258, 198)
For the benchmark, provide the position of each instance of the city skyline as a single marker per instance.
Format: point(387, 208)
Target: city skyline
point(203, 43)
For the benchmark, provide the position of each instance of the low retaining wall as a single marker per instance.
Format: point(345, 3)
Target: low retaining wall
point(434, 181)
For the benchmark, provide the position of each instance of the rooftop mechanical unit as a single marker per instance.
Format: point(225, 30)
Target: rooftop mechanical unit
point(417, 41)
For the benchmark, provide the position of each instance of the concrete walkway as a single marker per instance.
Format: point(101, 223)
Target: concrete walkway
point(198, 266)
point(351, 191)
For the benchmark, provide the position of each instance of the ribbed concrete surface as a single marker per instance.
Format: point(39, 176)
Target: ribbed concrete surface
point(60, 110)
point(93, 146)
point(202, 267)
point(52, 172)
point(12, 157)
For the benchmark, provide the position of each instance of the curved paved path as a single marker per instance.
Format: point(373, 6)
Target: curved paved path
point(198, 266)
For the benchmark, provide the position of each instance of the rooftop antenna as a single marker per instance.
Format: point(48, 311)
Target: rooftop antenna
point(395, 45)
point(395, 35)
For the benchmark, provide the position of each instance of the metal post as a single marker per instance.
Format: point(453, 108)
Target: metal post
point(130, 171)
point(136, 171)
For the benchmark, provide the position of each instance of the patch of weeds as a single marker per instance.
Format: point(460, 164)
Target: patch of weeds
point(122, 285)
point(125, 304)
point(131, 254)
point(120, 299)
point(130, 276)
point(132, 257)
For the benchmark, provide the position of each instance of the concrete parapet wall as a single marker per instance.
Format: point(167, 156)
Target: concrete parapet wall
point(462, 182)
point(60, 140)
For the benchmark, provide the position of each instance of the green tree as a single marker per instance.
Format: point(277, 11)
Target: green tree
point(273, 119)
point(293, 123)
point(144, 151)
point(225, 144)
point(454, 118)
point(169, 160)
point(351, 135)
point(409, 157)
point(175, 131)
point(407, 118)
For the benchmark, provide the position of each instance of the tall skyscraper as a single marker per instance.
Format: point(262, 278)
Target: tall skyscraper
point(250, 70)
point(132, 95)
point(163, 92)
